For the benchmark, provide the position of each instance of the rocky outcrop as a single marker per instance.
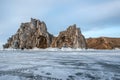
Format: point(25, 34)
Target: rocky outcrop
point(29, 35)
point(103, 43)
point(34, 34)
point(71, 37)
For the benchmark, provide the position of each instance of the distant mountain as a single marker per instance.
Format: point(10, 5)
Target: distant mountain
point(103, 43)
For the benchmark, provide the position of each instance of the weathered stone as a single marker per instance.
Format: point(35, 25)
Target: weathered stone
point(103, 43)
point(29, 35)
point(72, 38)
point(34, 34)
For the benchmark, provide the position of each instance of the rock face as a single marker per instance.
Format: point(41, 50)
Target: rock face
point(29, 35)
point(34, 34)
point(72, 38)
point(103, 43)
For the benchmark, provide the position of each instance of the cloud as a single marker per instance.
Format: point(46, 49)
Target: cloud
point(58, 15)
point(1, 33)
point(88, 14)
point(107, 31)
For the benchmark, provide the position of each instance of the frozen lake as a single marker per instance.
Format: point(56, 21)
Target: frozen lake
point(59, 65)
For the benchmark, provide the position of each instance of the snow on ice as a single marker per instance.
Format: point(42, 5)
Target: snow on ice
point(59, 64)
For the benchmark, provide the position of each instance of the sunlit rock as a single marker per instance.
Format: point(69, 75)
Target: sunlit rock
point(72, 37)
point(29, 35)
point(34, 34)
point(103, 43)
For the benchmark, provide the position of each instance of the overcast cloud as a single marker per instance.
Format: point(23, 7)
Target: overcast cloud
point(94, 17)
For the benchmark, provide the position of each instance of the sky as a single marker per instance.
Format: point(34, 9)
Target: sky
point(95, 18)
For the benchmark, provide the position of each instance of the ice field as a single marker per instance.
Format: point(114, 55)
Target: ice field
point(55, 64)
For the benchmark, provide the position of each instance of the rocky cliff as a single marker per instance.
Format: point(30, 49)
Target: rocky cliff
point(72, 37)
point(103, 43)
point(34, 34)
point(29, 35)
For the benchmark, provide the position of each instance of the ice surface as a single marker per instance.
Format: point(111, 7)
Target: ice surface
point(59, 64)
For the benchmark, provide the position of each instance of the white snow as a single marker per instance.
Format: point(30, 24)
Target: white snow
point(72, 64)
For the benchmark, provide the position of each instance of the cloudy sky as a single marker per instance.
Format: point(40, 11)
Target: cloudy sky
point(95, 17)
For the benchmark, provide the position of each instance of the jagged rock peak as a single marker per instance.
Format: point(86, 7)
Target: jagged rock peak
point(71, 37)
point(29, 35)
point(34, 34)
point(72, 27)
